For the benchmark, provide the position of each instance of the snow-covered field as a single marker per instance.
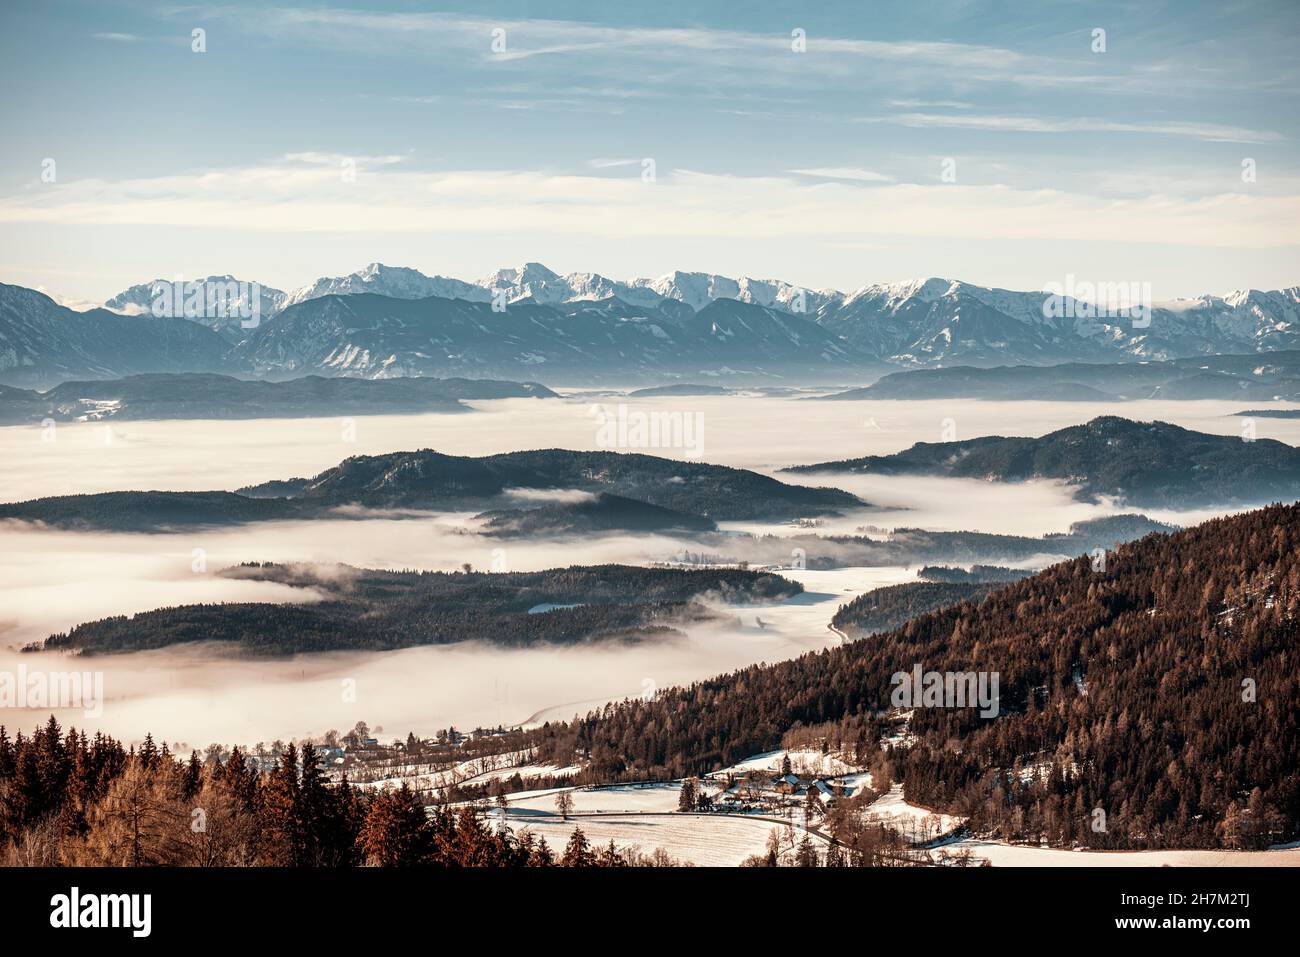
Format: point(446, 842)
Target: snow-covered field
point(625, 798)
point(707, 840)
point(1018, 855)
point(916, 823)
point(803, 761)
point(481, 770)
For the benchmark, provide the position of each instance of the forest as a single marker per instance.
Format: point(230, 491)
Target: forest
point(976, 574)
point(1147, 464)
point(891, 607)
point(71, 800)
point(600, 513)
point(1160, 690)
point(644, 492)
point(368, 609)
point(432, 480)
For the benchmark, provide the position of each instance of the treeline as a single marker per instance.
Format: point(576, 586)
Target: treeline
point(70, 800)
point(976, 574)
point(601, 513)
point(426, 479)
point(908, 546)
point(148, 511)
point(1149, 705)
point(383, 610)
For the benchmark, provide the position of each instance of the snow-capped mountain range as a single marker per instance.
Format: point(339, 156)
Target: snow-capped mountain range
point(531, 281)
point(534, 323)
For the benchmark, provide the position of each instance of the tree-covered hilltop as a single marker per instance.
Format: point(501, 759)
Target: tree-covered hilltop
point(645, 493)
point(601, 513)
point(367, 609)
point(1233, 377)
point(209, 395)
point(976, 574)
point(1161, 690)
point(429, 479)
point(1147, 464)
point(149, 511)
point(884, 609)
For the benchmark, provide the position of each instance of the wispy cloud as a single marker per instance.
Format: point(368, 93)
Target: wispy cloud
point(598, 47)
point(845, 172)
point(1032, 124)
point(303, 192)
point(929, 104)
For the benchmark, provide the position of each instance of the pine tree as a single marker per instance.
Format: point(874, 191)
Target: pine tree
point(577, 853)
point(193, 776)
point(281, 845)
point(396, 831)
point(686, 797)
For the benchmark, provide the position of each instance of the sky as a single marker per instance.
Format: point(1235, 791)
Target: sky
point(830, 145)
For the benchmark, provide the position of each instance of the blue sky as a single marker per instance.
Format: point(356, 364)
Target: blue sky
point(823, 167)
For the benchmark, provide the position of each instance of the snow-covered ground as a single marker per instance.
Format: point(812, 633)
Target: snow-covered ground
point(625, 798)
point(915, 823)
point(708, 840)
point(1018, 855)
point(479, 770)
point(803, 761)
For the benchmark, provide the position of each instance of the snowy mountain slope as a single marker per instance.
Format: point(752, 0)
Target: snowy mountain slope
point(377, 336)
point(399, 282)
point(43, 343)
point(140, 300)
point(717, 325)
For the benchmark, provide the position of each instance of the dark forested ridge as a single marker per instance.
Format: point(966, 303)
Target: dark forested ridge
point(679, 389)
point(884, 609)
point(367, 609)
point(1161, 690)
point(1234, 377)
point(977, 574)
point(601, 513)
point(198, 395)
point(1148, 464)
point(907, 546)
point(427, 480)
point(149, 511)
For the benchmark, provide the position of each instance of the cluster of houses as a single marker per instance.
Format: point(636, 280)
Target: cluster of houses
point(763, 789)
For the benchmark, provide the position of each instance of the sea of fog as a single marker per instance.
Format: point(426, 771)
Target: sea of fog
point(52, 580)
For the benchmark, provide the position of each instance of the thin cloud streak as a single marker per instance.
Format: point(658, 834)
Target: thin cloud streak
point(289, 196)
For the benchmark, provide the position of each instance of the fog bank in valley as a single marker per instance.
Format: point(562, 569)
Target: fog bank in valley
point(52, 580)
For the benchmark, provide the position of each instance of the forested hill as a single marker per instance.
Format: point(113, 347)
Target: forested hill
point(884, 609)
point(200, 395)
point(368, 609)
point(429, 479)
point(600, 513)
point(1147, 464)
point(695, 494)
point(1162, 690)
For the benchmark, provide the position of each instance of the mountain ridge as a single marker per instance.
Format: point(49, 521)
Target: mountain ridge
point(384, 322)
point(1145, 464)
